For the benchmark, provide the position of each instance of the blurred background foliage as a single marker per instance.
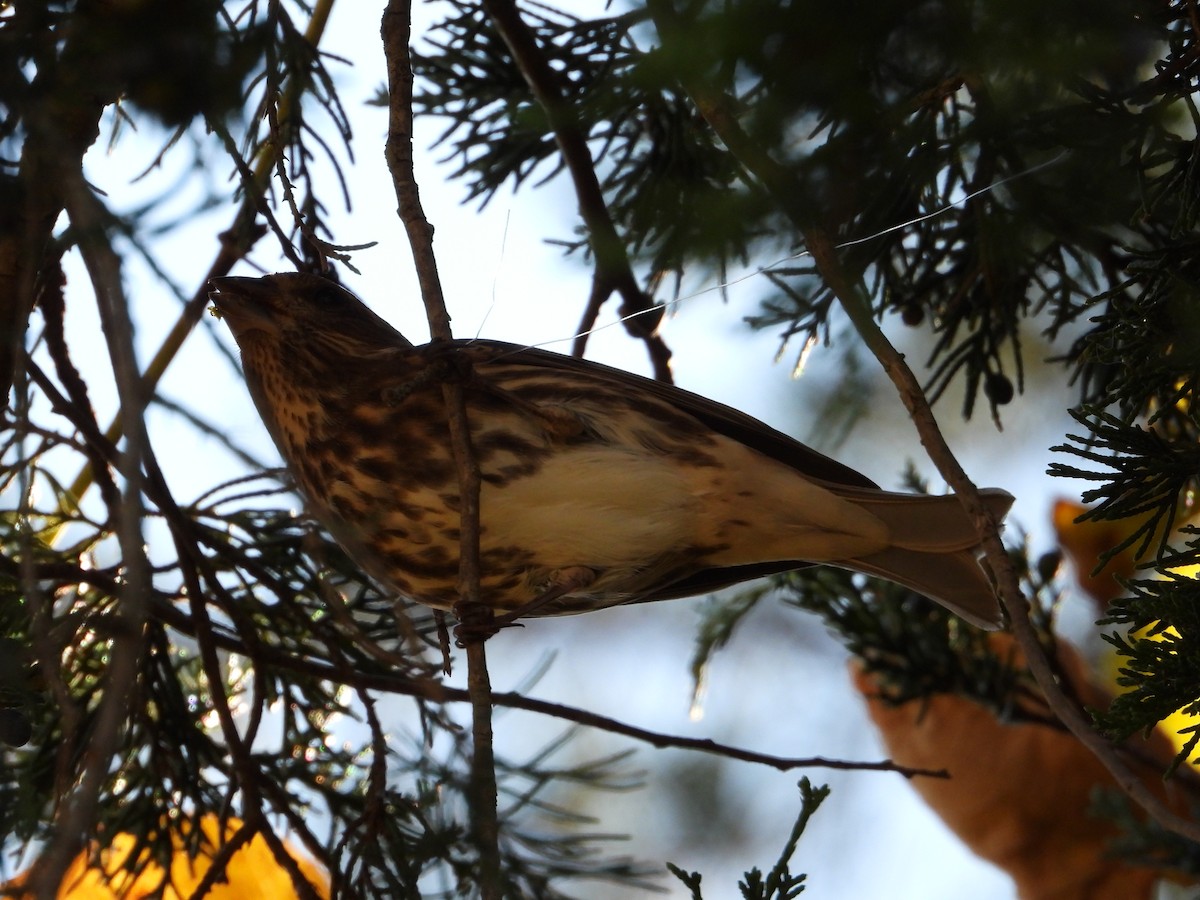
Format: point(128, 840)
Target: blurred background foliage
point(987, 168)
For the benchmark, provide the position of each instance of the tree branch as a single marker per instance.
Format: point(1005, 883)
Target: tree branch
point(396, 32)
point(613, 270)
point(1064, 706)
point(391, 682)
point(236, 242)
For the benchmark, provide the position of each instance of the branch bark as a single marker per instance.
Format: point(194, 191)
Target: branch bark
point(396, 32)
point(613, 270)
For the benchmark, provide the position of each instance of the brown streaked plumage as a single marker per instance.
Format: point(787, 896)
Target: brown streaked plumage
point(599, 487)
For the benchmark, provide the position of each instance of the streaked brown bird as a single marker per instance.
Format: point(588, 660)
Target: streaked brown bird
point(598, 487)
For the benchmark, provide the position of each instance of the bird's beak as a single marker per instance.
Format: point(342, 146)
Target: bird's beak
point(246, 304)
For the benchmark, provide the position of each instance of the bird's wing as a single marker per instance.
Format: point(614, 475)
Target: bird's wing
point(717, 416)
point(721, 418)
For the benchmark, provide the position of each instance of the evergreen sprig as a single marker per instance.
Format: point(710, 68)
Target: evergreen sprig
point(1152, 476)
point(780, 883)
point(1159, 651)
point(269, 580)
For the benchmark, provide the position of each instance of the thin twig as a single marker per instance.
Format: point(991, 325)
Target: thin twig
point(703, 745)
point(396, 31)
point(374, 808)
point(437, 691)
point(483, 770)
point(613, 270)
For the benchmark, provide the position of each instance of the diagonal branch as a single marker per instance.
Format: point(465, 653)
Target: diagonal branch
point(613, 270)
point(236, 243)
point(1064, 706)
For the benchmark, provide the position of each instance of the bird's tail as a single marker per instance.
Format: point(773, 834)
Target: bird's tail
point(934, 550)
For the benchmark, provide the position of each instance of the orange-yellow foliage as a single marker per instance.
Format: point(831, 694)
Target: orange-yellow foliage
point(252, 872)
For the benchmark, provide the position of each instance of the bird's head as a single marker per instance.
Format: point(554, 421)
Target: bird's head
point(309, 316)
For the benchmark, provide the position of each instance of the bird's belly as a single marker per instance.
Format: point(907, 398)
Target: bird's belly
point(596, 507)
point(619, 514)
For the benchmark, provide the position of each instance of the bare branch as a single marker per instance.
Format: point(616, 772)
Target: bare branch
point(438, 692)
point(396, 29)
point(613, 270)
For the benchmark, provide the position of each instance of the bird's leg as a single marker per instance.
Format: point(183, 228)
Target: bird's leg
point(562, 582)
point(475, 623)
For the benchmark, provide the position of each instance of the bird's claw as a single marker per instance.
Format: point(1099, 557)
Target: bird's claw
point(478, 622)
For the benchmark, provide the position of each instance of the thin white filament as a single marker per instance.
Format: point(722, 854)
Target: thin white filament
point(669, 304)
